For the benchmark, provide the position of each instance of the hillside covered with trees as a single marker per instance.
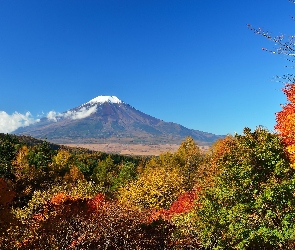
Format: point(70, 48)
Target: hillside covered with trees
point(239, 195)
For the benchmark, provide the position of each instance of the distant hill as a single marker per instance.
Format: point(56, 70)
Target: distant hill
point(30, 141)
point(108, 119)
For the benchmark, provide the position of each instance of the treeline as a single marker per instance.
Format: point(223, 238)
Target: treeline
point(238, 195)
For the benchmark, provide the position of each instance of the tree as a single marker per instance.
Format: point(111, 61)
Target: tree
point(40, 156)
point(61, 163)
point(74, 175)
point(31, 169)
point(25, 175)
point(104, 174)
point(286, 122)
point(155, 188)
point(87, 161)
point(165, 177)
point(251, 204)
point(284, 45)
point(78, 190)
point(8, 150)
point(127, 172)
point(189, 159)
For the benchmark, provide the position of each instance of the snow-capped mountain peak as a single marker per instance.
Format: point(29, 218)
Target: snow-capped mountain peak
point(83, 110)
point(103, 99)
point(108, 118)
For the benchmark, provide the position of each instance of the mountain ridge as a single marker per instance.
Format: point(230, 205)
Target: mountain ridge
point(107, 118)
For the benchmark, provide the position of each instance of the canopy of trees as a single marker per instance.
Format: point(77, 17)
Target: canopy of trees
point(237, 195)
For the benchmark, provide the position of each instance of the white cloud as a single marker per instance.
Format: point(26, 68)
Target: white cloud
point(81, 113)
point(52, 115)
point(9, 123)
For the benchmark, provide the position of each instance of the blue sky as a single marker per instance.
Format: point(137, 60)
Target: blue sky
point(190, 62)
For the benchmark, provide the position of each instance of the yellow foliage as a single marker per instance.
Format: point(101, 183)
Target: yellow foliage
point(188, 148)
point(61, 160)
point(62, 157)
point(155, 188)
point(21, 168)
point(291, 152)
point(187, 160)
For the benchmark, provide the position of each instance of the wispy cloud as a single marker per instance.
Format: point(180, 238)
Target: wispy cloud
point(9, 123)
point(81, 113)
point(72, 114)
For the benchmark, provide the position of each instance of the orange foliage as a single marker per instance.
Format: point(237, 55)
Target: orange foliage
point(286, 122)
point(59, 198)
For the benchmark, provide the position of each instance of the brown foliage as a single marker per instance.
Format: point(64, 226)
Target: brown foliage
point(6, 218)
point(6, 195)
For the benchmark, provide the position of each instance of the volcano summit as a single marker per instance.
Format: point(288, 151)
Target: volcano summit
point(108, 119)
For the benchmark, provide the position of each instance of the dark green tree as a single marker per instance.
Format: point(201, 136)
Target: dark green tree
point(40, 156)
point(8, 149)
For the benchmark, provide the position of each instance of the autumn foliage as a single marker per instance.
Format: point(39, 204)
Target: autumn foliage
point(183, 204)
point(67, 199)
point(237, 195)
point(286, 122)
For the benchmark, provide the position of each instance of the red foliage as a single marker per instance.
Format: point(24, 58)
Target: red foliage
point(82, 223)
point(184, 203)
point(97, 202)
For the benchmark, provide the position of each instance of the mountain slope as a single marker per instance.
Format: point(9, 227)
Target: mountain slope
point(108, 119)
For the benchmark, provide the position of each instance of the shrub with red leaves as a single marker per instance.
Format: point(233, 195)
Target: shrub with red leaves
point(67, 222)
point(184, 203)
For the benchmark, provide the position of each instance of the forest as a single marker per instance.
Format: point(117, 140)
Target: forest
point(238, 195)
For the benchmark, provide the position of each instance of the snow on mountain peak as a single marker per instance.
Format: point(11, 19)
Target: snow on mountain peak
point(102, 99)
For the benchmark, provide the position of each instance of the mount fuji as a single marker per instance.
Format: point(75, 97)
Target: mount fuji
point(108, 119)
